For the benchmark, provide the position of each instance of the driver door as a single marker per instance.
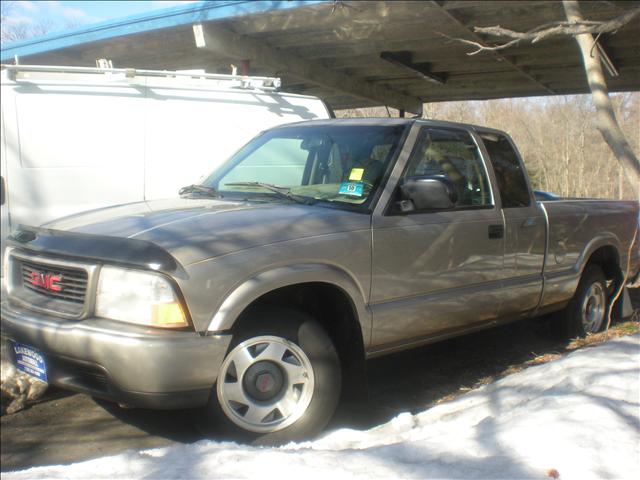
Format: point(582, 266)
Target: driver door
point(437, 271)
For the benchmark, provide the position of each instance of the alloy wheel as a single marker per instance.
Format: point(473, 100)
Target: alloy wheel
point(265, 384)
point(593, 308)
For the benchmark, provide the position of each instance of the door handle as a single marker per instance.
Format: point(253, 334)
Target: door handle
point(529, 222)
point(496, 231)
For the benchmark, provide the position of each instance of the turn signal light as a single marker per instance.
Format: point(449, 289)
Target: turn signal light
point(168, 315)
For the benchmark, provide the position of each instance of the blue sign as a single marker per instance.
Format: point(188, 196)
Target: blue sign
point(355, 189)
point(30, 361)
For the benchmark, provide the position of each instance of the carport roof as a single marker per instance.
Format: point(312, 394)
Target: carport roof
point(354, 54)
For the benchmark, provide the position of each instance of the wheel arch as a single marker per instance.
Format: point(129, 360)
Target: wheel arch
point(607, 258)
point(268, 281)
point(603, 251)
point(323, 291)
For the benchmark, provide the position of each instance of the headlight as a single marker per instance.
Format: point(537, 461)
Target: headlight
point(138, 297)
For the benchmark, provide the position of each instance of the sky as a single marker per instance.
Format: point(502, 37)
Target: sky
point(64, 14)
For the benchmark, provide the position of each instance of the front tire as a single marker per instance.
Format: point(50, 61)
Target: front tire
point(280, 380)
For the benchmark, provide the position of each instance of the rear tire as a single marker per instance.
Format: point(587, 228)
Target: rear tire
point(587, 311)
point(280, 380)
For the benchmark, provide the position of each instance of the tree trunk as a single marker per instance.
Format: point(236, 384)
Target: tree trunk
point(606, 121)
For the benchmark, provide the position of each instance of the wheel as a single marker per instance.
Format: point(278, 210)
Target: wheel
point(587, 310)
point(280, 380)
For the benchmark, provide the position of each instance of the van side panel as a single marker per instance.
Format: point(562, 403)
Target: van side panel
point(77, 142)
point(79, 148)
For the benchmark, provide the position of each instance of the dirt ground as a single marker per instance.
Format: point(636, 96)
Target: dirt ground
point(64, 427)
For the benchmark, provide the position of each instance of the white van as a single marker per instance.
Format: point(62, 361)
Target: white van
point(76, 139)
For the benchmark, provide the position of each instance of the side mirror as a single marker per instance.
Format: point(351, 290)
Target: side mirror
point(429, 192)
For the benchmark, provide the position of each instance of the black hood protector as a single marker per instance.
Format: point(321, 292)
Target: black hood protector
point(124, 251)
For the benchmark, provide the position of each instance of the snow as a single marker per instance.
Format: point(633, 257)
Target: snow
point(578, 415)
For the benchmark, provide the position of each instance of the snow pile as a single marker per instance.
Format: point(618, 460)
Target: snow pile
point(578, 417)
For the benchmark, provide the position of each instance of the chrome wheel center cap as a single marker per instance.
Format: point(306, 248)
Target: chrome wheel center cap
point(265, 382)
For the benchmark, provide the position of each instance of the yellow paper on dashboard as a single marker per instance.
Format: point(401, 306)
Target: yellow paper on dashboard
point(356, 174)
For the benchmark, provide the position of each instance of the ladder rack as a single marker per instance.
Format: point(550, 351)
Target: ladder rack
point(237, 81)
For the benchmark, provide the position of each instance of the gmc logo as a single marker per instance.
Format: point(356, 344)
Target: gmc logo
point(47, 281)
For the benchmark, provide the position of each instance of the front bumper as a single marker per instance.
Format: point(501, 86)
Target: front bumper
point(125, 363)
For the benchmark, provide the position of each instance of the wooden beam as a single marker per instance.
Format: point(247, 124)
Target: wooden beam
point(224, 42)
point(498, 56)
point(404, 60)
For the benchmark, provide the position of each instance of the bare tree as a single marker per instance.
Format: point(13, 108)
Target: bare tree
point(12, 31)
point(606, 121)
point(582, 30)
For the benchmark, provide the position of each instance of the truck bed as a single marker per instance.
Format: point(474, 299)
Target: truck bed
point(571, 239)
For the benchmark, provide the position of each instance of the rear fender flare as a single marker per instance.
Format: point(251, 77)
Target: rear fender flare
point(606, 239)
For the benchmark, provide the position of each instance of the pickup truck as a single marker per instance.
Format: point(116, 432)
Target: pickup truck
point(261, 292)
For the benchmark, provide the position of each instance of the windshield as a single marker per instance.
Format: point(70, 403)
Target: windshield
point(341, 164)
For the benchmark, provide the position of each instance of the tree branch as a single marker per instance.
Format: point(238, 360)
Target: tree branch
point(551, 29)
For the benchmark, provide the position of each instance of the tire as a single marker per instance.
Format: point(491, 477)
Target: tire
point(587, 311)
point(280, 380)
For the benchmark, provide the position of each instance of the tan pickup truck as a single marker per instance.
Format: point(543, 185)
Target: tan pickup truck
point(260, 294)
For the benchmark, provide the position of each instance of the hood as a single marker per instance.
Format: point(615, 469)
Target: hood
point(196, 229)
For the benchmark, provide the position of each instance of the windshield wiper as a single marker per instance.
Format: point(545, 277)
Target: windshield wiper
point(282, 192)
point(200, 189)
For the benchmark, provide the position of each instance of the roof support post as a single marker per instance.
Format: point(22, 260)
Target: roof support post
point(227, 43)
point(244, 68)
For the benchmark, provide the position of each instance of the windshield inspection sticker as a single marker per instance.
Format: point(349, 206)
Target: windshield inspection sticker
point(356, 174)
point(355, 189)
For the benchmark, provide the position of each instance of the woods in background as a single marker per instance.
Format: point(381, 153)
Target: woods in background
point(562, 150)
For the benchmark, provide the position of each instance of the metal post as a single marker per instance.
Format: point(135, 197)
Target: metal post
point(244, 68)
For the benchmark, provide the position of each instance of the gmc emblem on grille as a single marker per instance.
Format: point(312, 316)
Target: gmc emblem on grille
point(47, 281)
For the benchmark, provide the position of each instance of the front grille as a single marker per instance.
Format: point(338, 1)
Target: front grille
point(70, 283)
point(58, 287)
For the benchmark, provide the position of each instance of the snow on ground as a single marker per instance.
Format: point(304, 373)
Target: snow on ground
point(579, 415)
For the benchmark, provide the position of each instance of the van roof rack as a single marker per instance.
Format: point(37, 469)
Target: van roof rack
point(234, 81)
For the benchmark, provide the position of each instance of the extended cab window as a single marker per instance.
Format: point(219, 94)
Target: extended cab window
point(454, 155)
point(510, 176)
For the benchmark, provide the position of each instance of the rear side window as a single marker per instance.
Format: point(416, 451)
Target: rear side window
point(510, 175)
point(454, 155)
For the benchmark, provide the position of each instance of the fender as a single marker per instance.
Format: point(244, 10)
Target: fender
point(605, 239)
point(560, 286)
point(253, 288)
